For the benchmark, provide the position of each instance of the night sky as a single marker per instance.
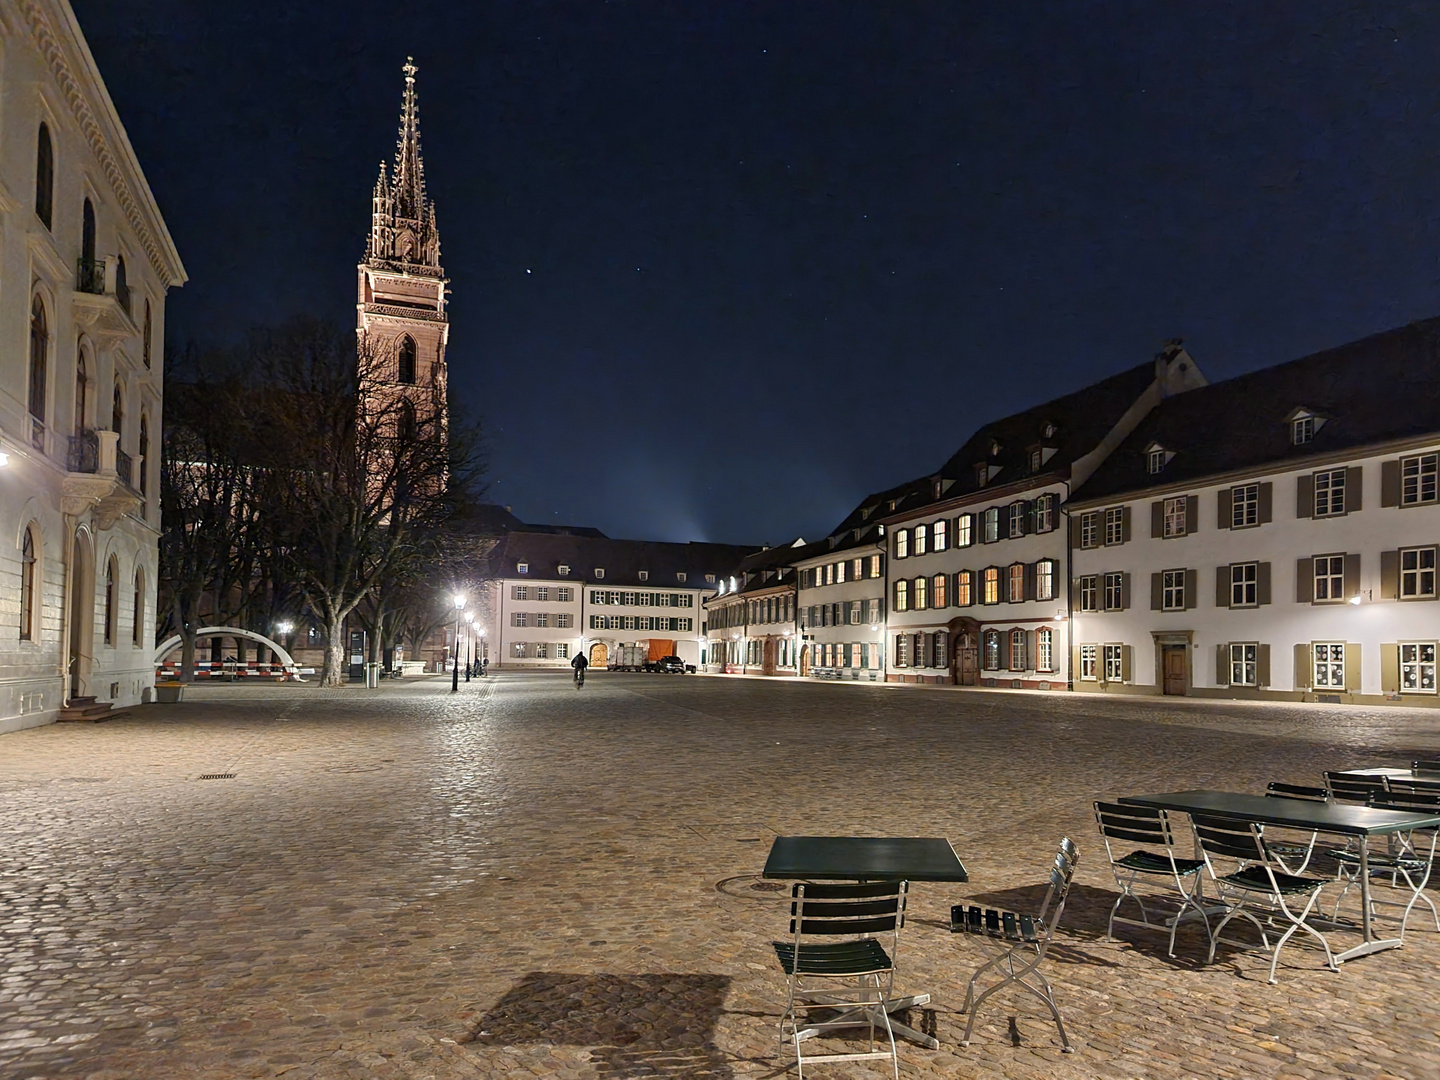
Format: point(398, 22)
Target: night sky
point(720, 269)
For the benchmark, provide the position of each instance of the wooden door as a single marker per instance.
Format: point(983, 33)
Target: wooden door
point(969, 659)
point(599, 655)
point(1174, 660)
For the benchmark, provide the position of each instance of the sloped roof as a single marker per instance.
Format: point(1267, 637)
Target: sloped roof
point(622, 560)
point(1379, 389)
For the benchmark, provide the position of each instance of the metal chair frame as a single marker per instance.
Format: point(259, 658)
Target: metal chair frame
point(1018, 943)
point(1285, 851)
point(1256, 874)
point(858, 911)
point(1144, 825)
point(1408, 860)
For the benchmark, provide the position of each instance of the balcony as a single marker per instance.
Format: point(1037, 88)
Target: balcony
point(99, 478)
point(102, 302)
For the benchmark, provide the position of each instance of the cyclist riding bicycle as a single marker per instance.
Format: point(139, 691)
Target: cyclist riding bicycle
point(579, 664)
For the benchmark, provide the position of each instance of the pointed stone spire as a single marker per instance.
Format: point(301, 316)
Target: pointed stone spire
point(403, 227)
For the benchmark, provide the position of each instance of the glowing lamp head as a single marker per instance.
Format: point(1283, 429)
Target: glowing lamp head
point(459, 601)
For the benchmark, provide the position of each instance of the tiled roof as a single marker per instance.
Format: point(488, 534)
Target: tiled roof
point(621, 560)
point(1379, 389)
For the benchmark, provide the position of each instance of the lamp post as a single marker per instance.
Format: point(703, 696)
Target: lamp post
point(469, 641)
point(283, 628)
point(455, 668)
point(480, 659)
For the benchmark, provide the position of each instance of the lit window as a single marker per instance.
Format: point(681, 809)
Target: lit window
point(540, 650)
point(1089, 592)
point(562, 651)
point(1329, 578)
point(1244, 663)
point(992, 586)
point(938, 591)
point(1417, 573)
point(921, 535)
point(963, 530)
point(992, 524)
point(857, 569)
point(1302, 430)
point(992, 650)
point(1417, 667)
point(902, 543)
point(1018, 660)
point(902, 650)
point(1044, 649)
point(1244, 584)
point(1088, 657)
point(1244, 506)
point(1016, 590)
point(1090, 529)
point(964, 588)
point(920, 594)
point(1329, 665)
point(1114, 663)
point(1175, 516)
point(874, 566)
point(938, 536)
point(1045, 580)
point(523, 568)
point(1114, 526)
point(1417, 479)
point(902, 596)
point(1172, 590)
point(1330, 493)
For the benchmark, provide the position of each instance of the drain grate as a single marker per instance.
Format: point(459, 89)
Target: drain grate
point(217, 776)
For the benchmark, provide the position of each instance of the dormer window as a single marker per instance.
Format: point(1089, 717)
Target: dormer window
point(892, 504)
point(1049, 431)
point(994, 448)
point(865, 513)
point(644, 575)
point(709, 579)
point(1156, 458)
point(1036, 460)
point(984, 473)
point(564, 570)
point(523, 568)
point(935, 488)
point(599, 572)
point(680, 576)
point(1304, 424)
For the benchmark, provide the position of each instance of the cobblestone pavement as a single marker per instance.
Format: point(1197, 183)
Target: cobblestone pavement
point(526, 880)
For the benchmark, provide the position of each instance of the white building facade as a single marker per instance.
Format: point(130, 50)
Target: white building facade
point(842, 606)
point(86, 263)
point(1274, 536)
point(750, 621)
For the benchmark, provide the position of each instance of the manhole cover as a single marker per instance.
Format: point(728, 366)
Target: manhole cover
point(768, 886)
point(752, 887)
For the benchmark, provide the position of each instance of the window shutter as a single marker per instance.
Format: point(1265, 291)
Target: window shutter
point(1352, 667)
point(1157, 589)
point(1125, 591)
point(1030, 581)
point(1192, 514)
point(1303, 666)
point(1389, 575)
point(1304, 581)
point(1354, 489)
point(1074, 531)
point(1390, 482)
point(1192, 589)
point(1222, 509)
point(1002, 531)
point(1262, 583)
point(1305, 496)
point(1352, 576)
point(1157, 519)
point(1075, 663)
point(1222, 664)
point(1389, 668)
point(1004, 651)
point(1127, 663)
point(1222, 586)
point(1125, 524)
point(1262, 665)
point(1267, 502)
point(1031, 663)
point(1032, 510)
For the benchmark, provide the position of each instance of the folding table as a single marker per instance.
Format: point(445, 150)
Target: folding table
point(1361, 822)
point(869, 858)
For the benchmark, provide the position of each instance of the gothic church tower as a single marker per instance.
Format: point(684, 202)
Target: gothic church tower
point(400, 310)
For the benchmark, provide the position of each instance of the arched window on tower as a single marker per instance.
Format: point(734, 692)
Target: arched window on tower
point(111, 572)
point(29, 567)
point(407, 360)
point(44, 177)
point(138, 610)
point(407, 426)
point(39, 355)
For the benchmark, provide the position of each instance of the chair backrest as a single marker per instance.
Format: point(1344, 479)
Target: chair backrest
point(1423, 765)
point(1230, 837)
point(1137, 824)
point(1062, 874)
point(1353, 787)
point(1419, 802)
point(1406, 785)
point(1297, 791)
point(850, 908)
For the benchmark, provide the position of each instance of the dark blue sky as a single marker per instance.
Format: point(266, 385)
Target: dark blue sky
point(719, 269)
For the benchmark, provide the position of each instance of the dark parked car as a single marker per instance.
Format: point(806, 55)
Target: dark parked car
point(670, 665)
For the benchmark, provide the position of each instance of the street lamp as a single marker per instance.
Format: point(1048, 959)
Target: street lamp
point(455, 668)
point(469, 638)
point(480, 660)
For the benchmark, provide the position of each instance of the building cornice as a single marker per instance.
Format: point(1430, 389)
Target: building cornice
point(111, 147)
point(1257, 472)
point(983, 497)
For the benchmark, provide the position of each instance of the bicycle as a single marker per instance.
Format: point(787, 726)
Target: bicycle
point(579, 678)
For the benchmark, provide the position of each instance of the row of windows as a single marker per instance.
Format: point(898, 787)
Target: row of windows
point(641, 622)
point(1020, 518)
point(560, 620)
point(1405, 574)
point(563, 569)
point(842, 613)
point(766, 609)
point(1013, 584)
point(838, 573)
point(615, 598)
point(855, 654)
point(561, 594)
point(540, 650)
point(31, 568)
point(1016, 650)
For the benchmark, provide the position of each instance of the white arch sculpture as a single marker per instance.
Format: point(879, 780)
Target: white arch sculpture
point(173, 642)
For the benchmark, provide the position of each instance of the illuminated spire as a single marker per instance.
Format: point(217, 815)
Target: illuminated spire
point(403, 228)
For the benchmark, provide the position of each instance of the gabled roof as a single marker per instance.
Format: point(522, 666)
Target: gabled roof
point(1380, 389)
point(622, 560)
point(836, 544)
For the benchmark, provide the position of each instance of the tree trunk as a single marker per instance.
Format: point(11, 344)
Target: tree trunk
point(333, 673)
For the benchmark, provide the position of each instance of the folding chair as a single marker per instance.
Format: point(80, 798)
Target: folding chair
point(1142, 825)
point(1353, 787)
point(1256, 877)
point(850, 978)
point(1425, 766)
point(1294, 857)
point(1018, 943)
point(1411, 860)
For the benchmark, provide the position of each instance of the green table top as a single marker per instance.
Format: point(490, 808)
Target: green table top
point(1342, 818)
point(871, 858)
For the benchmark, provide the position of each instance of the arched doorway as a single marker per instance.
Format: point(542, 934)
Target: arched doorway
point(599, 655)
point(767, 657)
point(965, 652)
point(81, 646)
point(804, 661)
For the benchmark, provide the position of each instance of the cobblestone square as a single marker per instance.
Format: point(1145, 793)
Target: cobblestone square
point(525, 880)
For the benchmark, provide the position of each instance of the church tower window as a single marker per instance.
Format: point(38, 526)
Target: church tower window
point(407, 360)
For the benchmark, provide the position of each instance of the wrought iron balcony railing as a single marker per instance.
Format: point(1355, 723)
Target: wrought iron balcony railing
point(90, 276)
point(84, 454)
